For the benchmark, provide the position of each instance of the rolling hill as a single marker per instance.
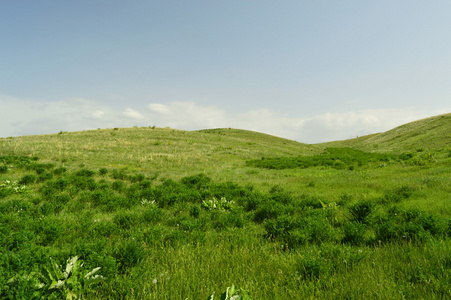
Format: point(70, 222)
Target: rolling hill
point(427, 134)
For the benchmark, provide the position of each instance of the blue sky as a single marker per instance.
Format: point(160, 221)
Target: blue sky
point(311, 71)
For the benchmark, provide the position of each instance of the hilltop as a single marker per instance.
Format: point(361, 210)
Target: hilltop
point(168, 152)
point(427, 134)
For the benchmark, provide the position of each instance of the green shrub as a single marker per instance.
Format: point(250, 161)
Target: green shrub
point(137, 178)
point(3, 169)
point(153, 214)
point(84, 183)
point(19, 240)
point(435, 224)
point(337, 158)
point(15, 206)
point(118, 174)
point(118, 186)
point(195, 211)
point(279, 227)
point(311, 201)
point(175, 237)
point(40, 170)
point(128, 254)
point(49, 230)
point(318, 229)
point(103, 228)
point(47, 208)
point(28, 179)
point(45, 176)
point(197, 181)
point(267, 210)
point(353, 233)
point(386, 231)
point(99, 197)
point(361, 210)
point(398, 194)
point(103, 171)
point(223, 219)
point(126, 220)
point(60, 171)
point(311, 268)
point(84, 173)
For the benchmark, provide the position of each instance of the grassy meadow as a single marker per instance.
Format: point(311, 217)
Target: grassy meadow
point(171, 214)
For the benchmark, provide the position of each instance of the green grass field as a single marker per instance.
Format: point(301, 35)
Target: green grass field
point(171, 214)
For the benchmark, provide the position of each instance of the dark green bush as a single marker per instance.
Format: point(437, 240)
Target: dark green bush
point(310, 201)
point(84, 173)
point(195, 211)
point(318, 229)
point(312, 268)
point(361, 210)
point(19, 240)
point(98, 197)
point(28, 179)
point(3, 169)
point(280, 227)
point(40, 170)
point(118, 174)
point(353, 233)
point(398, 194)
point(51, 186)
point(154, 234)
point(175, 237)
point(50, 230)
point(103, 171)
point(45, 176)
point(128, 254)
point(268, 209)
point(47, 208)
point(103, 229)
point(137, 178)
point(197, 181)
point(126, 220)
point(14, 206)
point(60, 171)
point(435, 224)
point(153, 214)
point(281, 197)
point(338, 158)
point(118, 186)
point(84, 183)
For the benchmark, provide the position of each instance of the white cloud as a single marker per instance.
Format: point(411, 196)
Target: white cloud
point(187, 115)
point(158, 108)
point(133, 114)
point(26, 117)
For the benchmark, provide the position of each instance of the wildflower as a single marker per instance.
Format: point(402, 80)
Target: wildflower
point(155, 281)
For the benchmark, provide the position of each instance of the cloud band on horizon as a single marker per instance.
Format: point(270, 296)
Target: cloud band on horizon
point(81, 114)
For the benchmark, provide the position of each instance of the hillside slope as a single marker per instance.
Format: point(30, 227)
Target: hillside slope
point(163, 150)
point(427, 134)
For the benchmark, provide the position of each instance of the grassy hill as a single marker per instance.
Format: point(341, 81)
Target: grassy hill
point(428, 134)
point(171, 214)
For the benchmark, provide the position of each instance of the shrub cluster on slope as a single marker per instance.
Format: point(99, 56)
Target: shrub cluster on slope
point(337, 158)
